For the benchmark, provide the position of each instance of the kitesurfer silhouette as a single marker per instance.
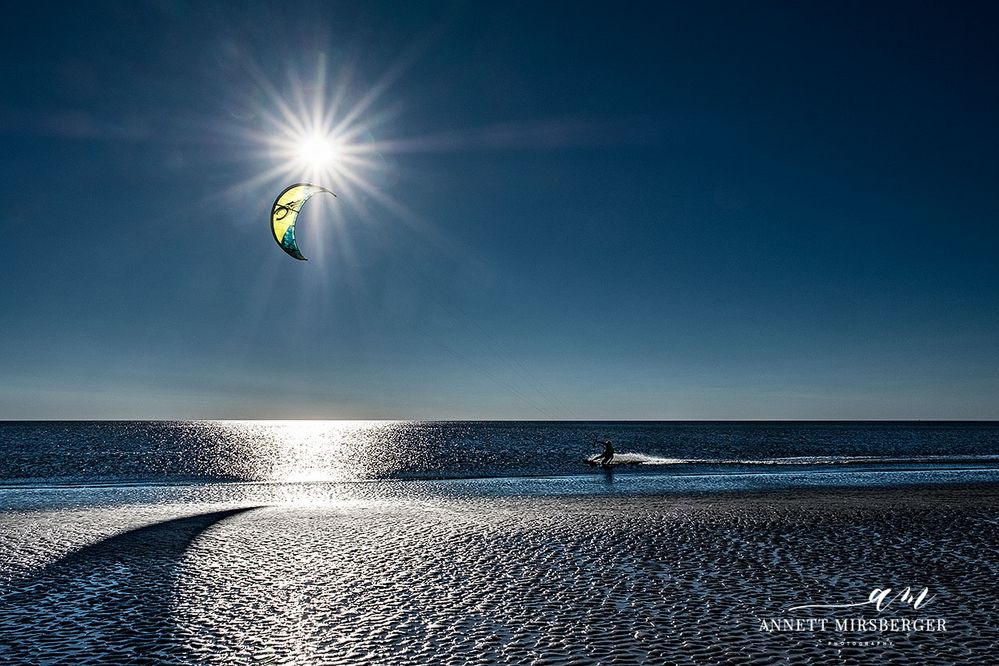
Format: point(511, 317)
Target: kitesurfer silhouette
point(608, 453)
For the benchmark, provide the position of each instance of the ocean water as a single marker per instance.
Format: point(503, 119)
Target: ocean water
point(689, 455)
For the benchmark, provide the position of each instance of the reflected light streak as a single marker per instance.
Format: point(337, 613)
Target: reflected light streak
point(301, 452)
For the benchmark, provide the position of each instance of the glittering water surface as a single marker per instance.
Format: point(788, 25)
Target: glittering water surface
point(289, 451)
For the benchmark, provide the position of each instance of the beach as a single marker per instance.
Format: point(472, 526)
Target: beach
point(414, 576)
point(520, 333)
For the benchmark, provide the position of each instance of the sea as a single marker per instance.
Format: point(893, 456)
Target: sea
point(532, 457)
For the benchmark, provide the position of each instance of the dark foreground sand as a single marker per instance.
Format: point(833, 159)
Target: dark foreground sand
point(456, 580)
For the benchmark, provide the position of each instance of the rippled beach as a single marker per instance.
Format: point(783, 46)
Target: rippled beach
point(410, 574)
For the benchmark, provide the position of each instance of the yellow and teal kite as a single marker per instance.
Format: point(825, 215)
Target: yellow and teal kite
point(285, 212)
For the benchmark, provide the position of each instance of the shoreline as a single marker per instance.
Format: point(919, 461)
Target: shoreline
point(631, 474)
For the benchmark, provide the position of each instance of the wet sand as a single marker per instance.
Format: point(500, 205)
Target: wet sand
point(467, 579)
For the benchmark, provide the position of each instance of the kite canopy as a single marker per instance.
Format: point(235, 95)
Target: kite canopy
point(285, 212)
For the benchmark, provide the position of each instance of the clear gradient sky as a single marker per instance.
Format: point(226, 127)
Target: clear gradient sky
point(687, 210)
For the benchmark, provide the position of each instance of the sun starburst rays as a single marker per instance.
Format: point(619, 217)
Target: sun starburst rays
point(304, 130)
point(319, 127)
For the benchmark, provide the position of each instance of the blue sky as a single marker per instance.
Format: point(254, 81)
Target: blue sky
point(686, 211)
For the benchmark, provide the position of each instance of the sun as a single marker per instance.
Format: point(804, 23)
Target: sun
point(317, 152)
point(318, 130)
point(309, 135)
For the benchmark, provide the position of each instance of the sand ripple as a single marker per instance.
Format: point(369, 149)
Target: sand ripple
point(463, 580)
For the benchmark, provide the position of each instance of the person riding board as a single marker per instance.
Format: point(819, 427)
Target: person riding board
point(608, 453)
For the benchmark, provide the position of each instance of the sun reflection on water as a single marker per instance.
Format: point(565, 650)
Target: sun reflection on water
point(306, 451)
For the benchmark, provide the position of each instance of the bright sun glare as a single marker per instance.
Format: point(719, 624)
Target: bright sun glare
point(315, 130)
point(317, 152)
point(309, 133)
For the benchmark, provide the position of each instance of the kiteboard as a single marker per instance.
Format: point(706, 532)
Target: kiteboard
point(596, 460)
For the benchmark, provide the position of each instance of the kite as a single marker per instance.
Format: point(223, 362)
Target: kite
point(285, 213)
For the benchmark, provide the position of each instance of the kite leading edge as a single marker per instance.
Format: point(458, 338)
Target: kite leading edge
point(285, 212)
